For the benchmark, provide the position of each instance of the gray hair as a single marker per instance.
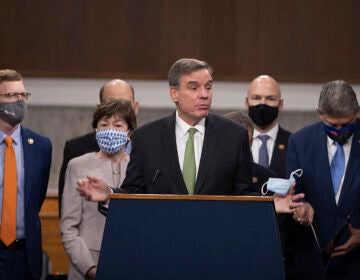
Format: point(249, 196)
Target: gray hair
point(337, 98)
point(185, 66)
point(241, 118)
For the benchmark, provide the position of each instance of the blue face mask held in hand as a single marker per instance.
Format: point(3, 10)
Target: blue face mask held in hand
point(279, 185)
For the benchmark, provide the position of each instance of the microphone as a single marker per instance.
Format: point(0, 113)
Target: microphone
point(157, 174)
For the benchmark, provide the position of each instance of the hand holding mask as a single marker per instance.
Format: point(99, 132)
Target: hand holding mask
point(279, 185)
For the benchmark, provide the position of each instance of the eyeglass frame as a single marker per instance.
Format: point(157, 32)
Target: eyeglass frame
point(24, 95)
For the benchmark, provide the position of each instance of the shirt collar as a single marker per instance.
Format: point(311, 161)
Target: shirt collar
point(16, 135)
point(183, 127)
point(271, 133)
point(331, 142)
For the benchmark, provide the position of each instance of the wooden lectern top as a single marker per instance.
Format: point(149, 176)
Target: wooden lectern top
point(191, 197)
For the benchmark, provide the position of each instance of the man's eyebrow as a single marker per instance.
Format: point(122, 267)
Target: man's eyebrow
point(192, 83)
point(197, 83)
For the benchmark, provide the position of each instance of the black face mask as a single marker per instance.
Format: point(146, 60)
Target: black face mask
point(263, 115)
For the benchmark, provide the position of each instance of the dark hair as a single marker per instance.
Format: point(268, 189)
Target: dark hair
point(185, 66)
point(337, 98)
point(115, 107)
point(101, 94)
point(10, 75)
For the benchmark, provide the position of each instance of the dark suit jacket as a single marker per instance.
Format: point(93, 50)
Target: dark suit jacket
point(74, 148)
point(37, 160)
point(278, 159)
point(260, 175)
point(308, 150)
point(224, 165)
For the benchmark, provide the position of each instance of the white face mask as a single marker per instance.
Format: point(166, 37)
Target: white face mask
point(279, 185)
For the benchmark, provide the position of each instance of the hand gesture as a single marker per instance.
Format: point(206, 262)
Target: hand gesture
point(93, 189)
point(304, 214)
point(352, 243)
point(289, 202)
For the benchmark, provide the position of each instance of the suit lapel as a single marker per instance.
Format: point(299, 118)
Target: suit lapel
point(353, 165)
point(279, 152)
point(207, 152)
point(170, 153)
point(28, 155)
point(321, 167)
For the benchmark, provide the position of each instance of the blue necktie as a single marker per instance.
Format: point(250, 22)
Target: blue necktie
point(263, 153)
point(337, 167)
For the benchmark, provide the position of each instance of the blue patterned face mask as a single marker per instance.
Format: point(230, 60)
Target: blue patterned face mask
point(340, 135)
point(111, 141)
point(279, 185)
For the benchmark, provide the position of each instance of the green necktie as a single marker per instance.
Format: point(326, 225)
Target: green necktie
point(189, 167)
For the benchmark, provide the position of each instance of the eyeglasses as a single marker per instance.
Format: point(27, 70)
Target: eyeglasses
point(16, 95)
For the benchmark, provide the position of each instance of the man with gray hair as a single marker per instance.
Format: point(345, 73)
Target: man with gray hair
point(329, 153)
point(160, 161)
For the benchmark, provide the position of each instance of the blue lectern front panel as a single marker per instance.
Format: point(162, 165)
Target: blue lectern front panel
point(190, 239)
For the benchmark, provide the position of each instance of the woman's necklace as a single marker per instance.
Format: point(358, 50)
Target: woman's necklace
point(116, 173)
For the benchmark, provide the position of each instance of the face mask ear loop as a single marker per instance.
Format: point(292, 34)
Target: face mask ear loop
point(297, 172)
point(262, 189)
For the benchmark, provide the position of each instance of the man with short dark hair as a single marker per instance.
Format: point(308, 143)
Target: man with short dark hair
point(329, 153)
point(24, 172)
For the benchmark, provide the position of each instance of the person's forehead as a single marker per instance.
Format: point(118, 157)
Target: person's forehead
point(201, 75)
point(12, 86)
point(115, 117)
point(264, 86)
point(338, 120)
point(118, 91)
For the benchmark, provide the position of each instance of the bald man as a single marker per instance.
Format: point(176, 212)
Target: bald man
point(113, 89)
point(264, 103)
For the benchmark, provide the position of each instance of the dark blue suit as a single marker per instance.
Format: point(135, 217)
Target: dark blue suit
point(308, 150)
point(37, 160)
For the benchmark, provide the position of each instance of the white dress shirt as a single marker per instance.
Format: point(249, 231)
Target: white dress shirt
point(331, 147)
point(182, 135)
point(256, 143)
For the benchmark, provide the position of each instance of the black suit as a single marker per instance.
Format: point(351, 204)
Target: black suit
point(260, 175)
point(287, 227)
point(74, 148)
point(224, 167)
point(278, 159)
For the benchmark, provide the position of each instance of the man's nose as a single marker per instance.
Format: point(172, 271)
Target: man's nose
point(204, 93)
point(19, 96)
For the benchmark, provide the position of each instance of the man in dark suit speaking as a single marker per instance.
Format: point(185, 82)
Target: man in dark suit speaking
point(220, 157)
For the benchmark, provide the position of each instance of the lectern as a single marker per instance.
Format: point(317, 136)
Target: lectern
point(190, 237)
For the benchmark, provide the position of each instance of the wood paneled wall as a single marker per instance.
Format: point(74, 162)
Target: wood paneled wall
point(295, 41)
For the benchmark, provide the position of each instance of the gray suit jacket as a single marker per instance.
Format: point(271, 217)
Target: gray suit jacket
point(81, 224)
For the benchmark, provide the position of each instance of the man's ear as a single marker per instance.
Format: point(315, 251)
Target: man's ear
point(174, 94)
point(281, 104)
point(136, 108)
point(317, 111)
point(246, 103)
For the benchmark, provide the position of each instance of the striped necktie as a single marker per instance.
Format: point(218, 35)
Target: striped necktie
point(337, 167)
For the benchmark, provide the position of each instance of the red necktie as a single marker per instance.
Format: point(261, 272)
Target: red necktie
point(8, 219)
